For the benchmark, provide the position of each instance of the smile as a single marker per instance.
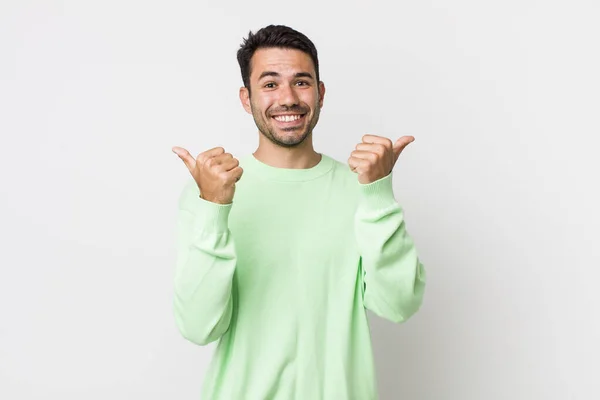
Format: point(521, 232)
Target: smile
point(288, 118)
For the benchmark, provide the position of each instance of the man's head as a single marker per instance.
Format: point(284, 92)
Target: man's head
point(282, 90)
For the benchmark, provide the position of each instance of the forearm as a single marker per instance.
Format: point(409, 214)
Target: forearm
point(206, 261)
point(394, 277)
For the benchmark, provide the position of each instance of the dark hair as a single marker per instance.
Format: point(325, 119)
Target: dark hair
point(274, 36)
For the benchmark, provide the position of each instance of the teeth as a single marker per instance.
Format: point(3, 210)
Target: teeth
point(287, 118)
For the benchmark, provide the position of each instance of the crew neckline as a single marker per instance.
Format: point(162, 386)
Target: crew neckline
point(254, 165)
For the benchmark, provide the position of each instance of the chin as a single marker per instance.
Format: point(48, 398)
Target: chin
point(290, 141)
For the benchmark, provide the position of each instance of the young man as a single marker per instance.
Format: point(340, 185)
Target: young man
point(283, 273)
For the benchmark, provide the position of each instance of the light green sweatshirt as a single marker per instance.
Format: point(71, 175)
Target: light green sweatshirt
point(282, 278)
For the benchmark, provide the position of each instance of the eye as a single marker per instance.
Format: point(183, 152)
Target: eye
point(270, 85)
point(302, 83)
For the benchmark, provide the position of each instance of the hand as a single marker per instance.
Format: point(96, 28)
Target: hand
point(376, 156)
point(215, 173)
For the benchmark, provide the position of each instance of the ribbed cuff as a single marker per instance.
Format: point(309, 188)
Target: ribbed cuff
point(211, 217)
point(377, 195)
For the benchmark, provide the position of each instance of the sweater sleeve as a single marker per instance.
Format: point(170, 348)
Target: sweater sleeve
point(205, 265)
point(393, 275)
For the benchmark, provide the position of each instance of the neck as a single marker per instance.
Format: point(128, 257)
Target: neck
point(302, 156)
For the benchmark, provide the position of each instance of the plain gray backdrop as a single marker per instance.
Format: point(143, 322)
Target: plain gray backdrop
point(500, 188)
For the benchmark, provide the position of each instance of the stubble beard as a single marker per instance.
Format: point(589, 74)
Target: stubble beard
point(270, 132)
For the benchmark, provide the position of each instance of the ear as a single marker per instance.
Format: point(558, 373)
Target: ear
point(245, 99)
point(321, 94)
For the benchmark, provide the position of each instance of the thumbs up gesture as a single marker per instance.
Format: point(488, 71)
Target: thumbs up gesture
point(215, 173)
point(376, 156)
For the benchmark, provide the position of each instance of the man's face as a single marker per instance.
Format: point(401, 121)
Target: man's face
point(285, 98)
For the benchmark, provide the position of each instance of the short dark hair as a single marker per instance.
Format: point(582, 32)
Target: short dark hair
point(280, 36)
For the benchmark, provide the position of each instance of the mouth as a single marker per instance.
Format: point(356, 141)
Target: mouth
point(289, 120)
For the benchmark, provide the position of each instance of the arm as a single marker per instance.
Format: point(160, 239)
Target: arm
point(393, 276)
point(205, 264)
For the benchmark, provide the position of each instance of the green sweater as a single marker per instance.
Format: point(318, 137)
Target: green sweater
point(282, 278)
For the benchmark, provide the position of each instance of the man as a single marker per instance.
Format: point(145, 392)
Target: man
point(282, 274)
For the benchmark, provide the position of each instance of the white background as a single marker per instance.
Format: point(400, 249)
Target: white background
point(500, 188)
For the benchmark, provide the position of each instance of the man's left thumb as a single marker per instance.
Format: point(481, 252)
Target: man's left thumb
point(402, 143)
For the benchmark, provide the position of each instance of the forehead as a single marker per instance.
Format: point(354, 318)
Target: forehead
point(281, 60)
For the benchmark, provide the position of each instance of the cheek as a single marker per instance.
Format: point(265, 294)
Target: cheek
point(311, 98)
point(258, 108)
point(263, 105)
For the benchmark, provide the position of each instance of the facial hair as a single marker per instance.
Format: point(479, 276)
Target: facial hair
point(270, 132)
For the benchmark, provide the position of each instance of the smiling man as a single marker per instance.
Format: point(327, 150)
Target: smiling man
point(281, 252)
point(286, 116)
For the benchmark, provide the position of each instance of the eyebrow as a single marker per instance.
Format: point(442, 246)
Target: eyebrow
point(277, 75)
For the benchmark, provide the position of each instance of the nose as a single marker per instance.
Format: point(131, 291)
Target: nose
point(288, 96)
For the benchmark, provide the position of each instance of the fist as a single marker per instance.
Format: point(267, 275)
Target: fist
point(376, 156)
point(215, 173)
